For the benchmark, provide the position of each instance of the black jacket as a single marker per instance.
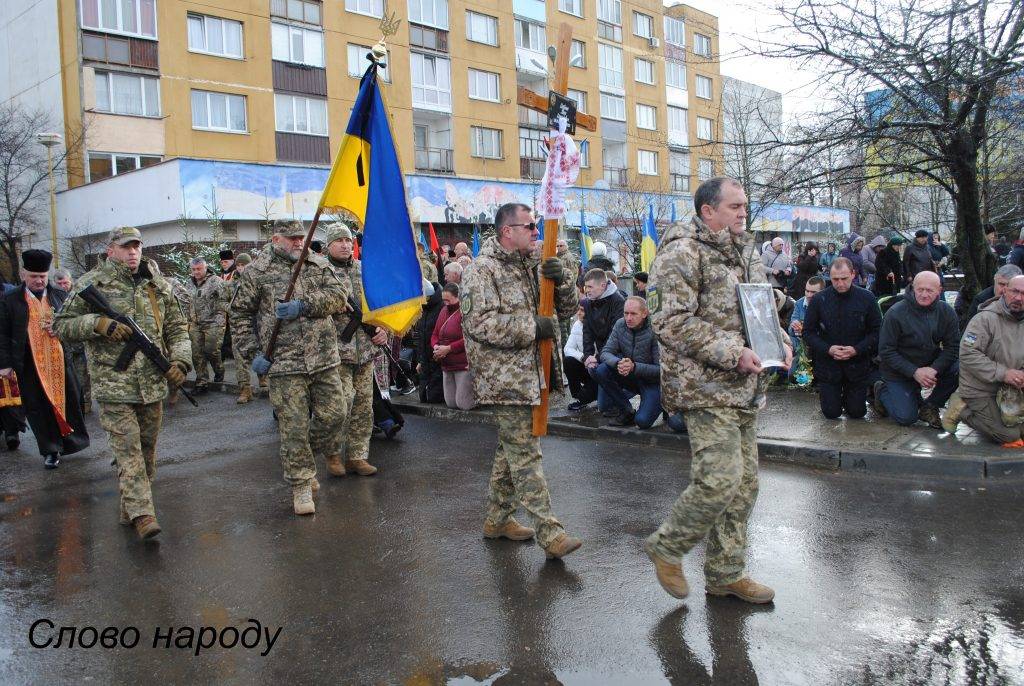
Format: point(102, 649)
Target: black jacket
point(917, 259)
point(980, 299)
point(889, 262)
point(599, 317)
point(850, 318)
point(639, 345)
point(1016, 255)
point(914, 336)
point(806, 267)
point(14, 326)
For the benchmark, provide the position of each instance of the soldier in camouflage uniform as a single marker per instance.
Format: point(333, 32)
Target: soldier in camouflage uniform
point(209, 317)
point(62, 278)
point(356, 359)
point(502, 332)
point(131, 402)
point(308, 393)
point(570, 262)
point(427, 265)
point(709, 373)
point(243, 365)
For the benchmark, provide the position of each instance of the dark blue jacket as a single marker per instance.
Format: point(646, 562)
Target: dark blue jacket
point(850, 318)
point(639, 345)
point(914, 336)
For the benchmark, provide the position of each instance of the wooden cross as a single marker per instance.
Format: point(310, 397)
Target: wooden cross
point(546, 306)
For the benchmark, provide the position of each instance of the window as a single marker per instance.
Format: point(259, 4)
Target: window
point(481, 28)
point(610, 11)
point(705, 169)
point(580, 97)
point(215, 36)
point(675, 31)
point(298, 45)
point(675, 74)
point(357, 62)
point(646, 117)
point(132, 17)
point(677, 122)
point(308, 11)
point(428, 37)
point(613, 107)
point(105, 164)
point(578, 54)
point(486, 142)
point(643, 70)
point(430, 12)
point(483, 85)
point(702, 45)
point(531, 36)
point(106, 49)
point(571, 6)
point(585, 154)
point(679, 171)
point(705, 129)
point(609, 31)
point(643, 25)
point(431, 82)
point(218, 111)
point(127, 94)
point(703, 87)
point(609, 58)
point(373, 8)
point(532, 144)
point(647, 162)
point(296, 114)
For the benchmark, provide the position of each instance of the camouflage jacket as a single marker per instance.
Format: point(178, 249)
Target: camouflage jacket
point(428, 268)
point(359, 350)
point(696, 315)
point(209, 300)
point(305, 345)
point(500, 291)
point(142, 382)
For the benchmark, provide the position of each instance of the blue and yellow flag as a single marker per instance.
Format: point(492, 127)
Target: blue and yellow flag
point(586, 242)
point(476, 240)
point(366, 180)
point(649, 242)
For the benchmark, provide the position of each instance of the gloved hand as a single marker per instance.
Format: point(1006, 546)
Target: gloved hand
point(551, 268)
point(176, 374)
point(261, 365)
point(115, 331)
point(289, 310)
point(545, 326)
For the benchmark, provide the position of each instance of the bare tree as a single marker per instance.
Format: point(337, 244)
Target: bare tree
point(626, 211)
point(82, 247)
point(918, 86)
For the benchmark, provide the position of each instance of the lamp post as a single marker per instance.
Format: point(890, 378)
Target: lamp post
point(49, 140)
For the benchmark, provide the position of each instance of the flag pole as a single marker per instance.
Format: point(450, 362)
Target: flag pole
point(272, 341)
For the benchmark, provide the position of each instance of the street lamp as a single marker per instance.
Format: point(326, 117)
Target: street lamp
point(49, 140)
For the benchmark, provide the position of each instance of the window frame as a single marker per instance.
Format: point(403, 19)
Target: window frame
point(383, 8)
point(384, 74)
point(674, 65)
point(610, 4)
point(700, 169)
point(304, 30)
point(120, 21)
point(531, 27)
point(477, 152)
point(224, 21)
point(619, 98)
point(582, 53)
point(295, 98)
point(434, 3)
point(603, 49)
point(699, 38)
point(637, 61)
point(469, 24)
point(636, 28)
point(652, 110)
point(705, 123)
point(671, 21)
point(685, 118)
point(112, 156)
point(577, 3)
point(471, 80)
point(639, 156)
point(581, 103)
point(423, 104)
point(697, 88)
point(227, 112)
point(108, 74)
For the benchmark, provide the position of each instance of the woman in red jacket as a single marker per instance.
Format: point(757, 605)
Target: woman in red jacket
point(450, 352)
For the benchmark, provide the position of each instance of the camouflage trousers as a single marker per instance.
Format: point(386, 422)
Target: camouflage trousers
point(243, 368)
point(310, 411)
point(720, 496)
point(132, 430)
point(517, 477)
point(206, 343)
point(359, 423)
point(82, 375)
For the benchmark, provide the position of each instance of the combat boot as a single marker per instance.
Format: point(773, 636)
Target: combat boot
point(218, 377)
point(146, 526)
point(263, 382)
point(334, 465)
point(929, 414)
point(245, 396)
point(512, 530)
point(360, 467)
point(302, 499)
point(670, 574)
point(562, 546)
point(745, 589)
point(951, 417)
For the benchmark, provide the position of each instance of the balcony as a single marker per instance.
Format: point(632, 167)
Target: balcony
point(531, 168)
point(616, 177)
point(680, 183)
point(532, 118)
point(435, 160)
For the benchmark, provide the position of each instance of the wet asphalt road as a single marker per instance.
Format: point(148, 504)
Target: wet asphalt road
point(877, 580)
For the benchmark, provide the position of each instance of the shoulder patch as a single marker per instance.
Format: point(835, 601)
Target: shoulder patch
point(970, 338)
point(653, 299)
point(466, 303)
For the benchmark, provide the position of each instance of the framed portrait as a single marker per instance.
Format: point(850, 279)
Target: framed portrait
point(761, 323)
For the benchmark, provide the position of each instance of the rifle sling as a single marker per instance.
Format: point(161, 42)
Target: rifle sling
point(151, 292)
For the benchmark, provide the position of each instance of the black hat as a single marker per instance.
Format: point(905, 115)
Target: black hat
point(227, 255)
point(922, 233)
point(316, 246)
point(36, 261)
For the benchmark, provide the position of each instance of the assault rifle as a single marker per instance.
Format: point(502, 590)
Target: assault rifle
point(139, 342)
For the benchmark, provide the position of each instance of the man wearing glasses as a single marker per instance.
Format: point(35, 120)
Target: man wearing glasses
point(502, 331)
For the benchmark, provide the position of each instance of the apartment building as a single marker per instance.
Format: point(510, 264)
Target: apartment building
point(234, 109)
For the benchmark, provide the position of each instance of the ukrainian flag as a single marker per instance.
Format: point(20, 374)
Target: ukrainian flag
point(366, 180)
point(586, 242)
point(649, 242)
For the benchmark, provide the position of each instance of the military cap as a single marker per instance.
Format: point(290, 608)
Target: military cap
point(123, 235)
point(227, 254)
point(291, 228)
point(335, 231)
point(243, 258)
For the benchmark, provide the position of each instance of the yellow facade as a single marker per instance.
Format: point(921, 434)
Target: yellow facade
point(181, 70)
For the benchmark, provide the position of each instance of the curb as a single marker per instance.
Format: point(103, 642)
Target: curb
point(770, 450)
